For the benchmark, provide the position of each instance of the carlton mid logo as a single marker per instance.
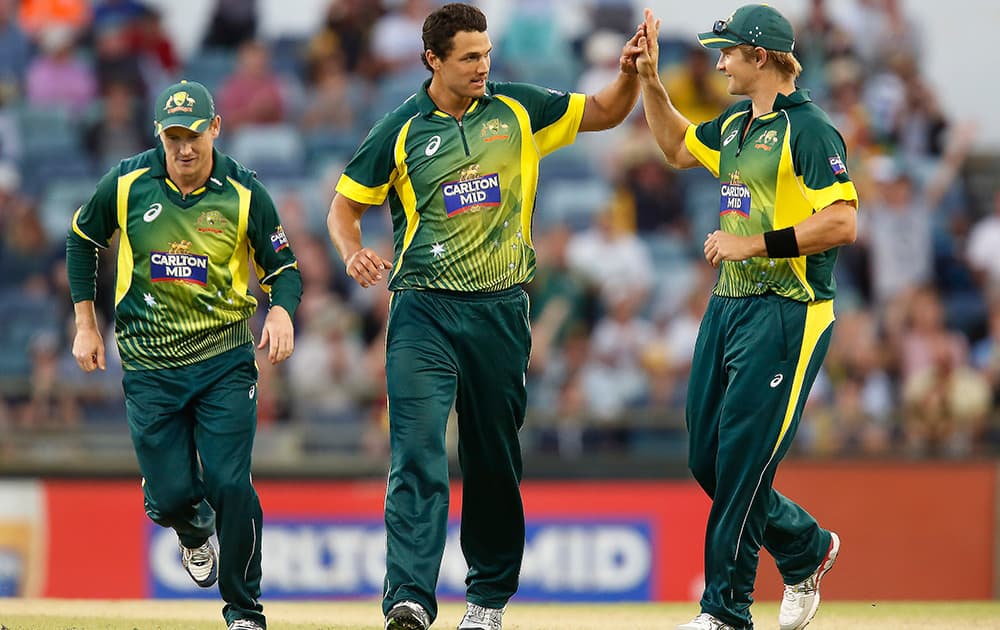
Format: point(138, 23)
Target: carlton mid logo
point(472, 192)
point(735, 197)
point(179, 102)
point(179, 265)
point(279, 240)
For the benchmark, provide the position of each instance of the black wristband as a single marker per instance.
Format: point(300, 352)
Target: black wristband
point(781, 243)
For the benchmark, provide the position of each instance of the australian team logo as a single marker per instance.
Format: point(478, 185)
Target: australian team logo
point(494, 130)
point(472, 192)
point(735, 197)
point(211, 221)
point(766, 140)
point(178, 264)
point(179, 102)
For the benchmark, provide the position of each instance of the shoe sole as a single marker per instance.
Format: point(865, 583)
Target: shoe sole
point(828, 561)
point(403, 623)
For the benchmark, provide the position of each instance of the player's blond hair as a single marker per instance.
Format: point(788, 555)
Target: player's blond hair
point(784, 62)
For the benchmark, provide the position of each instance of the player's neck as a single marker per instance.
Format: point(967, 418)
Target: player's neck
point(766, 90)
point(447, 101)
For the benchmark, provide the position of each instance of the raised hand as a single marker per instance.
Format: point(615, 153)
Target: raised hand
point(648, 59)
point(630, 51)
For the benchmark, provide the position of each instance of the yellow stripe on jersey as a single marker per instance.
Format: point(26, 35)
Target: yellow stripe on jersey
point(124, 244)
point(840, 191)
point(708, 157)
point(361, 193)
point(819, 317)
point(791, 208)
point(407, 195)
point(562, 132)
point(529, 166)
point(239, 268)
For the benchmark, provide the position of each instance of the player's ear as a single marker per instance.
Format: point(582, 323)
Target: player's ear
point(432, 60)
point(760, 56)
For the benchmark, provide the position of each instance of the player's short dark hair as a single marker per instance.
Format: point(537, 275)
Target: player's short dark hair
point(440, 28)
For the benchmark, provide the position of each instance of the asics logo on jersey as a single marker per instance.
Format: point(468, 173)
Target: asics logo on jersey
point(154, 211)
point(253, 390)
point(777, 380)
point(432, 146)
point(732, 136)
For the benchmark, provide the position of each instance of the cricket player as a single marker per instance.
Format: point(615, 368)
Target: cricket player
point(458, 162)
point(786, 205)
point(190, 223)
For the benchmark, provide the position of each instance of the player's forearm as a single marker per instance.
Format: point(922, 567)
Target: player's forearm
point(85, 315)
point(831, 227)
point(609, 107)
point(667, 124)
point(344, 226)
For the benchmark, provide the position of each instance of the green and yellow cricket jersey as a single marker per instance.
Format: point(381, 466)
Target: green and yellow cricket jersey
point(461, 193)
point(183, 265)
point(788, 165)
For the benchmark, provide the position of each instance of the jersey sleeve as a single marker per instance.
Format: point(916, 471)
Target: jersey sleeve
point(277, 268)
point(555, 116)
point(92, 226)
point(820, 159)
point(370, 173)
point(97, 220)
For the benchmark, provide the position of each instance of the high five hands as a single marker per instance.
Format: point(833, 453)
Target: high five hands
point(648, 44)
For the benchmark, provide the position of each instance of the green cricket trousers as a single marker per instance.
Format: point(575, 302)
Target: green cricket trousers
point(205, 411)
point(755, 360)
point(469, 350)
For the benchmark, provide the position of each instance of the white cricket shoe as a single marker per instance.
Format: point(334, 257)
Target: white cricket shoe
point(705, 621)
point(481, 618)
point(801, 601)
point(201, 563)
point(245, 624)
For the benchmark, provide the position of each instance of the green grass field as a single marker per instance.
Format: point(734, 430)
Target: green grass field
point(49, 614)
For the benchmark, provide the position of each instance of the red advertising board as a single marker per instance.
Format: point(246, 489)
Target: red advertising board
point(909, 531)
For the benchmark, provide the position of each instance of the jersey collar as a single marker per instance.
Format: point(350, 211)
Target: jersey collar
point(215, 181)
point(798, 97)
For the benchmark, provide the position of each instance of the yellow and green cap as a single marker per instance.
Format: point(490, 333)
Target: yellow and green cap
point(186, 104)
point(755, 24)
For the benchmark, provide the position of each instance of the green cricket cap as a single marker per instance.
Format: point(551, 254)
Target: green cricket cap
point(186, 104)
point(755, 24)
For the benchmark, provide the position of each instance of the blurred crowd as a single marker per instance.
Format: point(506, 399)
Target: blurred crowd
point(914, 366)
